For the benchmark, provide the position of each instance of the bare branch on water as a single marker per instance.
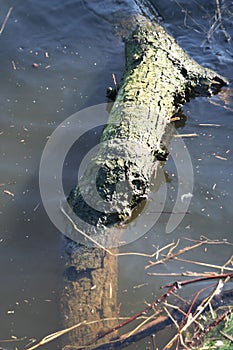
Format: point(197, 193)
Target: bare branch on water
point(5, 20)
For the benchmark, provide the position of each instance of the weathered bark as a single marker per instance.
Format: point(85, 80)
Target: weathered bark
point(159, 77)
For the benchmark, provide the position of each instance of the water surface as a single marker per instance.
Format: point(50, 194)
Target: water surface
point(57, 58)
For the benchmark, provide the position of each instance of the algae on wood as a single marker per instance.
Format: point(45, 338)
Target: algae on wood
point(159, 77)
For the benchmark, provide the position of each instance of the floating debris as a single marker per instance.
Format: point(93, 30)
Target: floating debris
point(217, 125)
point(186, 196)
point(9, 312)
point(9, 193)
point(185, 135)
point(5, 20)
point(218, 157)
point(13, 64)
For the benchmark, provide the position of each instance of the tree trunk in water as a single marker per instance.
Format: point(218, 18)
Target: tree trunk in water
point(159, 77)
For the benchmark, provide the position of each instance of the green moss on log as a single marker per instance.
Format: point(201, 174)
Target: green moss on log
point(159, 78)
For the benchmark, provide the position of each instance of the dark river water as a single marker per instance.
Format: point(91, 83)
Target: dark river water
point(56, 58)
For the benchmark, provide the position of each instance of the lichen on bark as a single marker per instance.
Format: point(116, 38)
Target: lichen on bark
point(159, 78)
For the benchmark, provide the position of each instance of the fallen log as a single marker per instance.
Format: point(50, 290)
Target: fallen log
point(159, 78)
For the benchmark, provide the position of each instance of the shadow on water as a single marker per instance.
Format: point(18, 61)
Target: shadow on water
point(75, 47)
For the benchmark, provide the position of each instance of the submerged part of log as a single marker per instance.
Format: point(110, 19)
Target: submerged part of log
point(89, 292)
point(159, 77)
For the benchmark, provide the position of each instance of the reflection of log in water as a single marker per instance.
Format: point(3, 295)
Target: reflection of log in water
point(159, 77)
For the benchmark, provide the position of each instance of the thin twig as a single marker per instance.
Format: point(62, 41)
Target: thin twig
point(201, 279)
point(200, 310)
point(229, 261)
point(227, 336)
point(204, 264)
point(185, 135)
point(182, 274)
point(147, 320)
point(105, 249)
point(227, 36)
point(84, 234)
point(171, 317)
point(5, 20)
point(221, 106)
point(55, 335)
point(114, 80)
point(60, 333)
point(195, 299)
point(188, 15)
point(14, 65)
point(172, 256)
